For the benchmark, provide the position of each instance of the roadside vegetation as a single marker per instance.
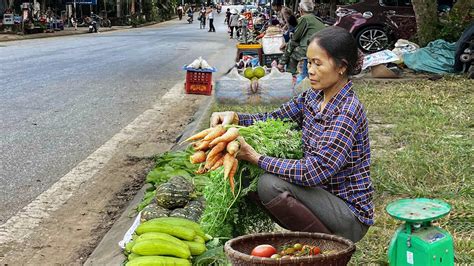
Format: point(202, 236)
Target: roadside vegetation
point(422, 144)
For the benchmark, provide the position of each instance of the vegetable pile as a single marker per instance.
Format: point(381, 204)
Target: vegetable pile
point(287, 251)
point(166, 241)
point(206, 186)
point(175, 198)
point(221, 147)
point(229, 215)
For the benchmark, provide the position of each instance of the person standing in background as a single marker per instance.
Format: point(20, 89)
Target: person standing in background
point(296, 48)
point(180, 12)
point(234, 23)
point(210, 16)
point(202, 17)
point(227, 17)
point(74, 22)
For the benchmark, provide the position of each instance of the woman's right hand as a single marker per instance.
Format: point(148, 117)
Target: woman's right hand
point(224, 118)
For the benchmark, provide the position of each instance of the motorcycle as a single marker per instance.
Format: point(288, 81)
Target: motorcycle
point(93, 26)
point(94, 21)
point(190, 18)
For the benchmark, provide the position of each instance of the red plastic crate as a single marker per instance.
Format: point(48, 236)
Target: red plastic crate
point(198, 82)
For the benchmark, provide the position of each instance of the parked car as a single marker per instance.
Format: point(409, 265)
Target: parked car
point(376, 24)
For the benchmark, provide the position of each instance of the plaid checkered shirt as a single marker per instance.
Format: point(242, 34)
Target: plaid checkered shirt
point(335, 146)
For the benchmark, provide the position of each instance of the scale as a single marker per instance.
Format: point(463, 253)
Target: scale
point(418, 242)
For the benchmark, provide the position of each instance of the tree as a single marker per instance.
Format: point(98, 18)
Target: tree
point(332, 8)
point(426, 15)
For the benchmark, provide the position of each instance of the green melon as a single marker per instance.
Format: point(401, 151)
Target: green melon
point(259, 72)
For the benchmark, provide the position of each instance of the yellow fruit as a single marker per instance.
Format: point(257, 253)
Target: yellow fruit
point(248, 73)
point(259, 72)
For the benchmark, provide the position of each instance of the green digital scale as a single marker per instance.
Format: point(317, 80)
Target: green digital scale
point(418, 242)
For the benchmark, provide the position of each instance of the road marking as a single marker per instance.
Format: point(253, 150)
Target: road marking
point(22, 224)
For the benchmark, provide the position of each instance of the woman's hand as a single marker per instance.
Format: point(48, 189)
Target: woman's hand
point(247, 153)
point(224, 118)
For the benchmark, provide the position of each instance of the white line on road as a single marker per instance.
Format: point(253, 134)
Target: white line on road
point(22, 224)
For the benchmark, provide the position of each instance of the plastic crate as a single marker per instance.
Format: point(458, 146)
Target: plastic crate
point(198, 82)
point(269, 58)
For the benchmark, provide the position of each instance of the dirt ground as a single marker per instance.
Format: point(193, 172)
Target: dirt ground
point(71, 233)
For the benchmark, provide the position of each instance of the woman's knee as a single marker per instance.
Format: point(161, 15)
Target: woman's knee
point(266, 187)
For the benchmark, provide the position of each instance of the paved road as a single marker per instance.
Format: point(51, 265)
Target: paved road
point(62, 98)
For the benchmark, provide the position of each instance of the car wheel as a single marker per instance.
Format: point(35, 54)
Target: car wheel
point(372, 39)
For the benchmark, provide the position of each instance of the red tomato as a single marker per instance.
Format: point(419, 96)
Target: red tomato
point(263, 251)
point(315, 251)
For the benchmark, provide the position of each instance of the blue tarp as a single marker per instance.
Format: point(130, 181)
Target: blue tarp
point(437, 57)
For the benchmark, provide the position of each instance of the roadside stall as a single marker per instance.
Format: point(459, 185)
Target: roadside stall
point(200, 198)
point(199, 209)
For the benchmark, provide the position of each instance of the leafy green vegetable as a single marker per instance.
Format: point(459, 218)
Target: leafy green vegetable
point(213, 256)
point(169, 164)
point(149, 195)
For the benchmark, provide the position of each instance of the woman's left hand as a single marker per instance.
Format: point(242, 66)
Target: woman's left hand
point(247, 153)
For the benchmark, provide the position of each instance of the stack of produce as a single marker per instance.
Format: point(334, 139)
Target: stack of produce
point(166, 241)
point(175, 198)
point(216, 147)
point(288, 250)
point(229, 215)
point(254, 74)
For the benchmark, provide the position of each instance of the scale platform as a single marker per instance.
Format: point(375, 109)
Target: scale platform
point(418, 210)
point(417, 241)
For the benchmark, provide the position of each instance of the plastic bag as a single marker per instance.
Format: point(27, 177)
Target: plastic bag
point(276, 87)
point(272, 44)
point(232, 88)
point(382, 57)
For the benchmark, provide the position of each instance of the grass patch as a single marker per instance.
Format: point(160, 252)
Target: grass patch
point(421, 135)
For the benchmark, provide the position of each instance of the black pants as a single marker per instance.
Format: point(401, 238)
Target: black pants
point(330, 209)
point(211, 25)
point(232, 28)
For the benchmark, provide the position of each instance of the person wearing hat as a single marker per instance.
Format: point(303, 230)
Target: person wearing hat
point(296, 48)
point(234, 23)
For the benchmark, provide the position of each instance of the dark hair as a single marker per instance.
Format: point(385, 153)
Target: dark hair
point(292, 21)
point(340, 45)
point(277, 2)
point(275, 22)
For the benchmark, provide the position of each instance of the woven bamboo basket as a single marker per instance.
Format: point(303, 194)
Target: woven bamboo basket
point(239, 248)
